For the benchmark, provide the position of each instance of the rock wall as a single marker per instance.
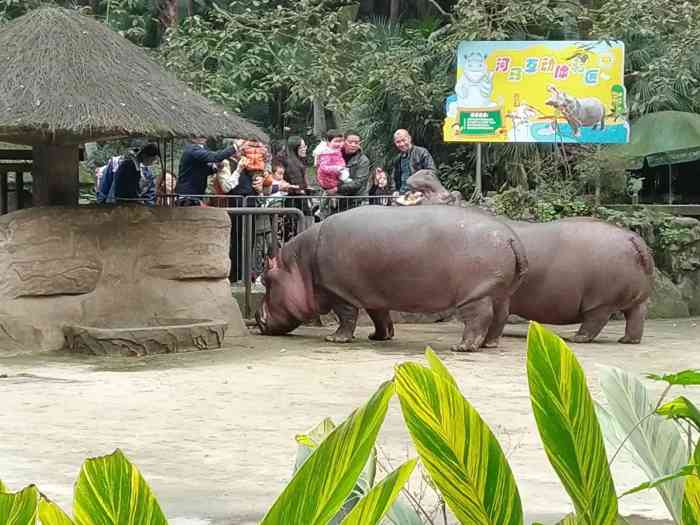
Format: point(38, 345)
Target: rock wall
point(125, 266)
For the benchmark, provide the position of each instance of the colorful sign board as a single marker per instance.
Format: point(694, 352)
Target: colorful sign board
point(538, 91)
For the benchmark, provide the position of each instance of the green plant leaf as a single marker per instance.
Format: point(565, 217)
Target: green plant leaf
point(19, 508)
point(681, 408)
point(691, 496)
point(320, 487)
point(401, 513)
point(685, 378)
point(111, 491)
point(655, 444)
point(439, 368)
point(372, 507)
point(568, 426)
point(313, 438)
point(462, 456)
point(687, 470)
point(3, 487)
point(51, 514)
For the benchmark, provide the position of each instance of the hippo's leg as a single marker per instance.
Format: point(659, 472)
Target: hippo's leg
point(634, 324)
point(593, 322)
point(500, 316)
point(383, 325)
point(477, 317)
point(347, 316)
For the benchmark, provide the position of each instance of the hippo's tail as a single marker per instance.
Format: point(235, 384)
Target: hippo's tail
point(521, 263)
point(643, 254)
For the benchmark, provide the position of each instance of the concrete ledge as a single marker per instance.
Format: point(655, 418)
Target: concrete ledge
point(163, 336)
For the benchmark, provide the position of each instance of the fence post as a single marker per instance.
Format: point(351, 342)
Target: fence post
point(3, 192)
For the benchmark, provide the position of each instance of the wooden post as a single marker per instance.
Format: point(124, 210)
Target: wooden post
point(3, 192)
point(19, 188)
point(477, 181)
point(55, 175)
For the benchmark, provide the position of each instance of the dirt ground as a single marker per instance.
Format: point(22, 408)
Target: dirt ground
point(213, 432)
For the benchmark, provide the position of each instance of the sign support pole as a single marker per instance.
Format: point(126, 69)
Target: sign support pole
point(477, 181)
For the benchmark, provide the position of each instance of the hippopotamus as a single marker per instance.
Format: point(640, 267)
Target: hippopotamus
point(581, 270)
point(384, 258)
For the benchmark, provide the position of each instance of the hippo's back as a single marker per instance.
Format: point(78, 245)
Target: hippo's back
point(578, 264)
point(422, 258)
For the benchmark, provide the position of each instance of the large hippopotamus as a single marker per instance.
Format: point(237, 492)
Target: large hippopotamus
point(581, 270)
point(390, 258)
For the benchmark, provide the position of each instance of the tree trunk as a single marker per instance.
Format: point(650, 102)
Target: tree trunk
point(319, 117)
point(394, 10)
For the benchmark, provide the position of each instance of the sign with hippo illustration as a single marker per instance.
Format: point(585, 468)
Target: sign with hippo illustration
point(564, 91)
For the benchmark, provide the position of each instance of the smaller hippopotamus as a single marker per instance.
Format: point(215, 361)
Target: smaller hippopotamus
point(581, 270)
point(382, 258)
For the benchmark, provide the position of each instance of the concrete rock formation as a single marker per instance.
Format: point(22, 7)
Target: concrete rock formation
point(170, 336)
point(124, 266)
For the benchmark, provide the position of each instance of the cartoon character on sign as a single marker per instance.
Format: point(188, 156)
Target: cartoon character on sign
point(578, 112)
point(474, 87)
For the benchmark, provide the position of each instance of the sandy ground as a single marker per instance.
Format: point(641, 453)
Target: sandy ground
point(213, 432)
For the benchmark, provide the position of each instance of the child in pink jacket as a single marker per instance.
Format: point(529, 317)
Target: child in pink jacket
point(329, 161)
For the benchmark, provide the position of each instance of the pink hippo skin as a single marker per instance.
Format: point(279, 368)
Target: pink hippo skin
point(389, 258)
point(580, 270)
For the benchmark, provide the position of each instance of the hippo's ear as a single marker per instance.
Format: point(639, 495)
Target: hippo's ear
point(271, 263)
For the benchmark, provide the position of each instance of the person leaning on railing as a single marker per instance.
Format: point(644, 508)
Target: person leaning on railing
point(358, 165)
point(197, 164)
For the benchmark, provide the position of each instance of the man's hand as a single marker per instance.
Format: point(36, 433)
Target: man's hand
point(332, 191)
point(258, 184)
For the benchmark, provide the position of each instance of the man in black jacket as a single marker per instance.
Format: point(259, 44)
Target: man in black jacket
point(410, 159)
point(358, 166)
point(196, 165)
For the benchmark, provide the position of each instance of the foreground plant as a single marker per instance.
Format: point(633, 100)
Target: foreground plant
point(335, 474)
point(109, 491)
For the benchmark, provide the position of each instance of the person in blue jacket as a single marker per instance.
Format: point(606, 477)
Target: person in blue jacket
point(129, 176)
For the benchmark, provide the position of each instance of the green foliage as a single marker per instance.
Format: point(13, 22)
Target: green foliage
point(681, 408)
point(691, 496)
point(19, 508)
point(650, 441)
point(568, 426)
point(372, 507)
point(459, 450)
point(683, 378)
point(315, 499)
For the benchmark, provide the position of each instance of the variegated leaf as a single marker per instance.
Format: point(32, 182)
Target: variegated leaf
point(51, 514)
point(691, 496)
point(375, 504)
point(321, 485)
point(111, 491)
point(568, 426)
point(653, 443)
point(19, 508)
point(461, 454)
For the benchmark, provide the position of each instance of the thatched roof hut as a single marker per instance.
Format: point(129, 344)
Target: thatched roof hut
point(67, 79)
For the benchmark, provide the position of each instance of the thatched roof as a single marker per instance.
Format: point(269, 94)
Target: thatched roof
point(66, 78)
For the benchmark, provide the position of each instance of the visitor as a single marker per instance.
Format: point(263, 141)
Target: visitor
point(129, 176)
point(165, 188)
point(410, 159)
point(379, 190)
point(330, 167)
point(357, 164)
point(197, 164)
